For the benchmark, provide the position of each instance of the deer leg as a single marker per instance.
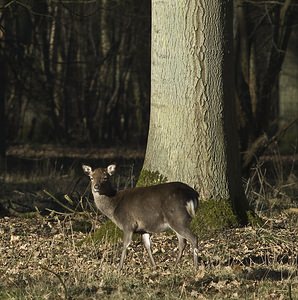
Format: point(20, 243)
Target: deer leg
point(181, 246)
point(147, 244)
point(127, 238)
point(192, 239)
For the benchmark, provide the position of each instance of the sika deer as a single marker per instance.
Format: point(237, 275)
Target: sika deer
point(146, 210)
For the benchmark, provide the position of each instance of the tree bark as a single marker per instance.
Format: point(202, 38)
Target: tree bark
point(192, 135)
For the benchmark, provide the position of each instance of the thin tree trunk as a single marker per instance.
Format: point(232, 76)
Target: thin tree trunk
point(2, 109)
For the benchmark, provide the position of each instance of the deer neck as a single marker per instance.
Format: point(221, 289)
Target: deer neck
point(106, 204)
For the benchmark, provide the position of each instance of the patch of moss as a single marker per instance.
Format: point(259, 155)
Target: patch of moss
point(213, 215)
point(254, 219)
point(108, 232)
point(288, 140)
point(148, 178)
point(28, 215)
point(81, 225)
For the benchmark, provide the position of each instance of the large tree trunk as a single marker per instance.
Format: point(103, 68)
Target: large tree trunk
point(192, 136)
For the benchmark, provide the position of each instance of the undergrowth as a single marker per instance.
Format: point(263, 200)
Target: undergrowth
point(70, 255)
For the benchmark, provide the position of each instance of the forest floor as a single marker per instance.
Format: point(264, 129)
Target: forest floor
point(47, 258)
point(56, 256)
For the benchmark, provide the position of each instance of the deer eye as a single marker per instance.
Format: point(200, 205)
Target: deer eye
point(91, 178)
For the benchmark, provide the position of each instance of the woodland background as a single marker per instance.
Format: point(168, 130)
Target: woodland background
point(77, 73)
point(75, 87)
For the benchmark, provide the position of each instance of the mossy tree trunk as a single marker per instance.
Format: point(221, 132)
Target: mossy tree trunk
point(192, 136)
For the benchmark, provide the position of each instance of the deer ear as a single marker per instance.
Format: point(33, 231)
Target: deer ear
point(87, 169)
point(111, 169)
